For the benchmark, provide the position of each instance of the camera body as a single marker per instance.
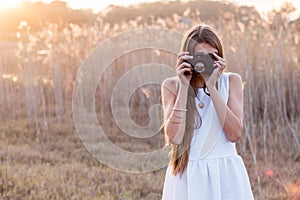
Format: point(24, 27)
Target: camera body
point(202, 63)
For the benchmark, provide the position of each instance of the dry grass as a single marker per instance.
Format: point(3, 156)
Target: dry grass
point(61, 168)
point(42, 157)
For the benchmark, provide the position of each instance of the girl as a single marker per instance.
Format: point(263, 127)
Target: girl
point(203, 120)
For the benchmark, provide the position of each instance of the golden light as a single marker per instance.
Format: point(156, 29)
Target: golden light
point(10, 76)
point(293, 189)
point(262, 5)
point(6, 76)
point(9, 4)
point(14, 79)
point(45, 81)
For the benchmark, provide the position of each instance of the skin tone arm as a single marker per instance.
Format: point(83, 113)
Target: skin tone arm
point(230, 115)
point(175, 119)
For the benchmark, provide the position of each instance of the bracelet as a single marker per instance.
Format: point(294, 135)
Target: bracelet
point(179, 109)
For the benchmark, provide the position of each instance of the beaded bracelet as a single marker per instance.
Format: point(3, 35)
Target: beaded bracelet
point(179, 109)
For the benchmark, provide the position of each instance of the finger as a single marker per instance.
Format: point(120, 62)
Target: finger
point(183, 58)
point(186, 57)
point(220, 67)
point(218, 57)
point(184, 65)
point(220, 62)
point(182, 71)
point(182, 54)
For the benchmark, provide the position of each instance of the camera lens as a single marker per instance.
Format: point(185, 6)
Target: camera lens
point(199, 67)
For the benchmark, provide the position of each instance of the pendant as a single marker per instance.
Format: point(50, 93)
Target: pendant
point(201, 105)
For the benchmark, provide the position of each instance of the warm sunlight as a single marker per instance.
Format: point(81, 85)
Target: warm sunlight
point(261, 5)
point(9, 4)
point(82, 99)
point(75, 4)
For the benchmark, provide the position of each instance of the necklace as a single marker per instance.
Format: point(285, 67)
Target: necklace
point(201, 102)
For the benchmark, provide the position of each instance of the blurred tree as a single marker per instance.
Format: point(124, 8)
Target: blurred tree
point(38, 14)
point(206, 10)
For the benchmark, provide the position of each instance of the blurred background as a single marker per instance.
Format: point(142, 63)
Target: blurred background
point(43, 44)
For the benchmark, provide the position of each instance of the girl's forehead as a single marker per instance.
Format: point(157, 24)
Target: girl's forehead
point(205, 46)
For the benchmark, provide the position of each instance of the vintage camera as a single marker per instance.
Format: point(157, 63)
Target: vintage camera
point(202, 63)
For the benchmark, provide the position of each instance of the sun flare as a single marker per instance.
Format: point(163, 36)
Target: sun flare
point(9, 4)
point(261, 5)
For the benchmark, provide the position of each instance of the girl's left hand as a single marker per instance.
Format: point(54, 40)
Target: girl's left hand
point(220, 65)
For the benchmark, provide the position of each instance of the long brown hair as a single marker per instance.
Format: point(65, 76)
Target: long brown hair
point(180, 153)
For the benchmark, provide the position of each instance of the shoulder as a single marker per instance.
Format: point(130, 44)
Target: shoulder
point(170, 84)
point(170, 81)
point(234, 79)
point(235, 85)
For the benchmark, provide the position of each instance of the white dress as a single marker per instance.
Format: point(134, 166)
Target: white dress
point(215, 171)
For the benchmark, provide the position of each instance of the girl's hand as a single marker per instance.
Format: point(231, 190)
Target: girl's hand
point(184, 69)
point(220, 65)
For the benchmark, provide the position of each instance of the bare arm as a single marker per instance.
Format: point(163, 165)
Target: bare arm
point(174, 106)
point(174, 119)
point(230, 115)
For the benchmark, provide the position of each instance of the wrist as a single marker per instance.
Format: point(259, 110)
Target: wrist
point(184, 86)
point(211, 89)
point(210, 85)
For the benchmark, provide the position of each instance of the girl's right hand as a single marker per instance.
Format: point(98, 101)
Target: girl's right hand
point(184, 70)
